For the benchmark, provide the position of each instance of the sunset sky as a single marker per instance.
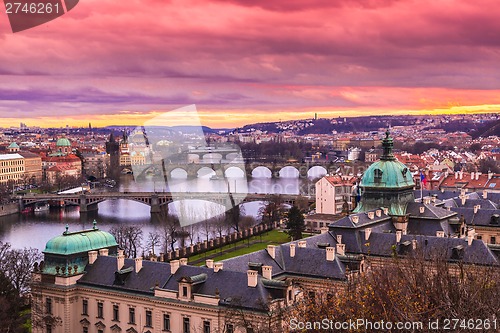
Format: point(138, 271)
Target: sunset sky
point(117, 62)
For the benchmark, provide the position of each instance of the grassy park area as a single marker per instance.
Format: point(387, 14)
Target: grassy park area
point(254, 243)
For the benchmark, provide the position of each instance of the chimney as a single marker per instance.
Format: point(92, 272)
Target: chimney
point(398, 236)
point(477, 175)
point(485, 194)
point(302, 244)
point(271, 249)
point(386, 211)
point(368, 232)
point(427, 200)
point(456, 175)
point(138, 264)
point(378, 212)
point(355, 219)
point(422, 209)
point(183, 261)
point(209, 263)
point(218, 266)
point(414, 244)
point(448, 208)
point(371, 215)
point(330, 253)
point(470, 236)
point(464, 199)
point(267, 272)
point(103, 252)
point(476, 208)
point(174, 266)
point(120, 259)
point(341, 249)
point(324, 230)
point(292, 250)
point(440, 233)
point(461, 175)
point(252, 278)
point(92, 257)
point(472, 176)
point(339, 239)
point(490, 174)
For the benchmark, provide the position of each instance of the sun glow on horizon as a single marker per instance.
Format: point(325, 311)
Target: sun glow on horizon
point(234, 118)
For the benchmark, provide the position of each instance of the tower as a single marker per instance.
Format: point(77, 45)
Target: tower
point(386, 183)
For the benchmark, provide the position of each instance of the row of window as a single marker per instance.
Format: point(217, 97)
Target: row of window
point(493, 239)
point(10, 163)
point(186, 325)
point(9, 177)
point(10, 170)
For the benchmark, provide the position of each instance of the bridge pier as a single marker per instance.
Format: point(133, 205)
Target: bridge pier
point(155, 204)
point(85, 206)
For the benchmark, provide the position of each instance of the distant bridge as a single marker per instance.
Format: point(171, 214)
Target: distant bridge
point(220, 168)
point(156, 200)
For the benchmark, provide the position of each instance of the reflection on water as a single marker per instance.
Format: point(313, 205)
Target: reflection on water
point(34, 230)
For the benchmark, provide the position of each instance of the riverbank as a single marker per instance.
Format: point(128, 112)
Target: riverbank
point(9, 209)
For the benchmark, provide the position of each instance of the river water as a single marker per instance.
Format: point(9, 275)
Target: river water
point(35, 229)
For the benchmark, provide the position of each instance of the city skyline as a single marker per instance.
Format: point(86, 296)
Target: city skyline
point(112, 63)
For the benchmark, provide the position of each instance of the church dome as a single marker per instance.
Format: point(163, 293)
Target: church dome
point(388, 172)
point(63, 142)
point(80, 242)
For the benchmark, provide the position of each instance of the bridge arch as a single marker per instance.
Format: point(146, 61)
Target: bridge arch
point(316, 172)
point(262, 172)
point(234, 172)
point(234, 157)
point(205, 172)
point(289, 172)
point(212, 156)
point(179, 173)
point(193, 158)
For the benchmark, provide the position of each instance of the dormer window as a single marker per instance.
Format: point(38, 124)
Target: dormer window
point(404, 172)
point(457, 252)
point(378, 175)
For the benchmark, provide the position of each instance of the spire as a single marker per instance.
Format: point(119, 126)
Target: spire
point(387, 145)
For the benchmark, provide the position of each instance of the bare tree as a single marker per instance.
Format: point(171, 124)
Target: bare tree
point(273, 211)
point(408, 290)
point(192, 230)
point(129, 238)
point(220, 225)
point(17, 266)
point(247, 221)
point(170, 229)
point(154, 240)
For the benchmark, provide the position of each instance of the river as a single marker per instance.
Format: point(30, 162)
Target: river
point(35, 229)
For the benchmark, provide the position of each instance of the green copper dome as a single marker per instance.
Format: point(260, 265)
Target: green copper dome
point(388, 172)
point(386, 183)
point(13, 145)
point(63, 142)
point(79, 242)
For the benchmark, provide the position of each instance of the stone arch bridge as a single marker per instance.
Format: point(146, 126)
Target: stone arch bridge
point(156, 200)
point(220, 169)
